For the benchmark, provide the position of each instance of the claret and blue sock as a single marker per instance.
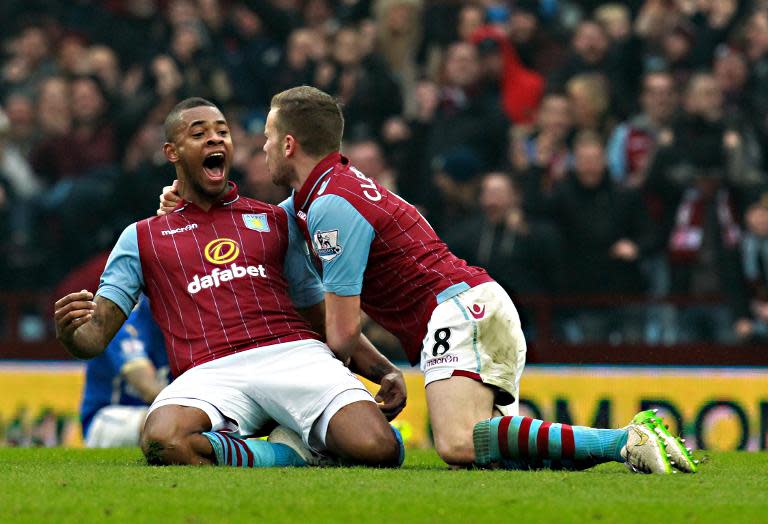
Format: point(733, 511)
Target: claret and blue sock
point(251, 453)
point(525, 443)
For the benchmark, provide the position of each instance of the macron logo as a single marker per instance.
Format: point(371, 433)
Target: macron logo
point(218, 276)
point(188, 227)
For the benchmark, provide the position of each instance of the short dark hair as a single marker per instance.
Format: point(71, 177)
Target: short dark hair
point(173, 117)
point(312, 116)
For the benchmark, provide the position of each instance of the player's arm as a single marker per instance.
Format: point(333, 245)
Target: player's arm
point(85, 325)
point(369, 363)
point(342, 325)
point(342, 238)
point(307, 294)
point(142, 375)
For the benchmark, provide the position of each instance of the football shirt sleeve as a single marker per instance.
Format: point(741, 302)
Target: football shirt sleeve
point(304, 286)
point(342, 238)
point(122, 279)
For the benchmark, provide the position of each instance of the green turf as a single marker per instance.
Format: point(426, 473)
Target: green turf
point(60, 485)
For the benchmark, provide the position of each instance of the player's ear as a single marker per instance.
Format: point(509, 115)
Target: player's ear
point(289, 145)
point(169, 150)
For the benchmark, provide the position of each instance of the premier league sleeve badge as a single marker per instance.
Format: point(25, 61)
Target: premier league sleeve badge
point(327, 244)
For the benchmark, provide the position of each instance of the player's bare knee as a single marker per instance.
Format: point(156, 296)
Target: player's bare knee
point(455, 452)
point(161, 444)
point(379, 447)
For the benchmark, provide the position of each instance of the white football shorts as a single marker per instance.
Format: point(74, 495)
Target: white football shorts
point(477, 334)
point(116, 427)
point(299, 385)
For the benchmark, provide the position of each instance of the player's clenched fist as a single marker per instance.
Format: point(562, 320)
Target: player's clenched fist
point(71, 312)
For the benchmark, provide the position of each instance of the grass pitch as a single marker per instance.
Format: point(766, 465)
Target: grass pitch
point(81, 486)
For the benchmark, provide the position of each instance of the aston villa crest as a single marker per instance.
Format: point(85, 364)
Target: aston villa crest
point(257, 222)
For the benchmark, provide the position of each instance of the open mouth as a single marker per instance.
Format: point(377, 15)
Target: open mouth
point(213, 165)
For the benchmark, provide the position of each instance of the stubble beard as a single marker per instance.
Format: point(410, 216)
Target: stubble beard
point(284, 174)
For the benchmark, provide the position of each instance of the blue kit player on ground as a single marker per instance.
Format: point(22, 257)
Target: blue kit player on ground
point(122, 382)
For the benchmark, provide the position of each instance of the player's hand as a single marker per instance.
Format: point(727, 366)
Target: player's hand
point(71, 312)
point(169, 198)
point(392, 395)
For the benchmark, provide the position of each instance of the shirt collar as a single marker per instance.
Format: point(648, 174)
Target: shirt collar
point(229, 196)
point(323, 167)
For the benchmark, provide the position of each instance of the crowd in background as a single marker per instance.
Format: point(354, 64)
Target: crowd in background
point(573, 148)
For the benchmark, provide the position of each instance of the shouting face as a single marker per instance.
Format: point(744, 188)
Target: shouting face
point(202, 149)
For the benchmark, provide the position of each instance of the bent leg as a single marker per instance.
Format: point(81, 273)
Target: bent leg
point(174, 435)
point(456, 404)
point(524, 443)
point(359, 434)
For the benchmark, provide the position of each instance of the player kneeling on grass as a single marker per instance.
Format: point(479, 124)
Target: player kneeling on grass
point(375, 252)
point(122, 382)
point(223, 274)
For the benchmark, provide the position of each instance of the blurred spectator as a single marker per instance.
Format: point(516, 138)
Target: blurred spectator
point(72, 55)
point(102, 62)
point(252, 52)
point(713, 22)
point(701, 171)
point(616, 21)
point(589, 53)
point(455, 176)
point(542, 158)
point(14, 169)
point(520, 88)
point(398, 25)
point(305, 47)
point(53, 110)
point(20, 110)
point(537, 48)
point(757, 89)
point(19, 186)
point(201, 73)
point(592, 54)
point(362, 83)
point(368, 157)
point(605, 231)
point(30, 62)
point(89, 144)
point(626, 50)
point(523, 256)
point(633, 142)
point(144, 171)
point(731, 70)
point(471, 18)
point(590, 101)
point(752, 308)
point(677, 52)
point(457, 113)
point(701, 142)
point(630, 149)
